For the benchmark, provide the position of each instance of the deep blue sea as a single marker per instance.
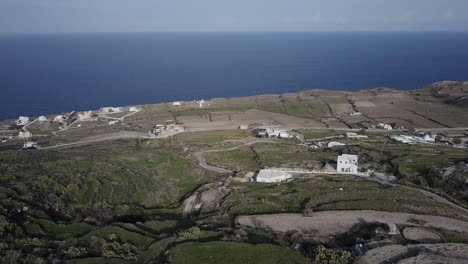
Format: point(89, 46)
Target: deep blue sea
point(42, 74)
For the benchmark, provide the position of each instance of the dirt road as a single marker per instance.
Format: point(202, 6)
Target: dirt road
point(103, 137)
point(202, 160)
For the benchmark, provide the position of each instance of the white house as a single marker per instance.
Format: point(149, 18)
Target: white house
point(86, 115)
point(176, 103)
point(272, 176)
point(110, 110)
point(244, 127)
point(384, 126)
point(429, 137)
point(347, 163)
point(22, 120)
point(355, 135)
point(26, 134)
point(59, 119)
point(111, 123)
point(278, 133)
point(134, 109)
point(42, 119)
point(335, 144)
point(201, 103)
point(30, 145)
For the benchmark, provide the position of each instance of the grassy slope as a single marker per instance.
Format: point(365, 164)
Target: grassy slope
point(233, 253)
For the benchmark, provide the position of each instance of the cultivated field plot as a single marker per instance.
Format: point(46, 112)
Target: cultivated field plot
point(326, 193)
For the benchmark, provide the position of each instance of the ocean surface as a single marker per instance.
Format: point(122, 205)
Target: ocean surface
point(45, 74)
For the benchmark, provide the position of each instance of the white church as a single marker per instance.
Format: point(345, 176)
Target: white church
point(347, 163)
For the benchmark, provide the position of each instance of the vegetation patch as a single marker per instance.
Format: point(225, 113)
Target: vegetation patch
point(230, 252)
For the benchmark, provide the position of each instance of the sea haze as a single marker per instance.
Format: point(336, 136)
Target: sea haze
point(44, 74)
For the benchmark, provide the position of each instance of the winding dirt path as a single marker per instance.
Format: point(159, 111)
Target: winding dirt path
point(202, 160)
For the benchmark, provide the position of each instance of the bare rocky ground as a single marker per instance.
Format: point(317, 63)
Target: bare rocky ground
point(449, 253)
point(323, 225)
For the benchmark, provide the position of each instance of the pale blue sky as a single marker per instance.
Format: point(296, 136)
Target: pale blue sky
point(41, 16)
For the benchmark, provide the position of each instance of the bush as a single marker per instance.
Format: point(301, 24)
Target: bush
point(30, 259)
point(190, 234)
point(74, 252)
point(327, 256)
point(116, 250)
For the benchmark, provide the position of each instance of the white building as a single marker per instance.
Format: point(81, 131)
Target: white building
point(355, 135)
point(418, 139)
point(134, 109)
point(244, 127)
point(26, 134)
point(384, 126)
point(22, 120)
point(42, 119)
point(111, 110)
point(176, 103)
point(429, 137)
point(86, 115)
point(59, 119)
point(347, 163)
point(278, 133)
point(335, 144)
point(273, 176)
point(30, 145)
point(201, 103)
point(111, 123)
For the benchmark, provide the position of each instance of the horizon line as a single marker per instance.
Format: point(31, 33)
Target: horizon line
point(234, 31)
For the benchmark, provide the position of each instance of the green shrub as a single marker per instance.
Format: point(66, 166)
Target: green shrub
point(116, 250)
point(327, 256)
point(74, 252)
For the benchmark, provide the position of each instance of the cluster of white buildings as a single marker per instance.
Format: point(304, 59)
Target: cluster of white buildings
point(415, 139)
point(22, 120)
point(161, 129)
point(24, 135)
point(272, 133)
point(384, 126)
point(86, 115)
point(111, 110)
point(59, 119)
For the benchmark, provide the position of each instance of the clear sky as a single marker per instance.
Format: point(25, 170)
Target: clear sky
point(41, 16)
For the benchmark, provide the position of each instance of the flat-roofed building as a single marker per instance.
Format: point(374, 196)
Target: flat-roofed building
point(273, 176)
point(347, 163)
